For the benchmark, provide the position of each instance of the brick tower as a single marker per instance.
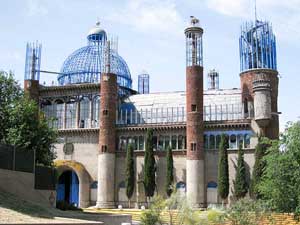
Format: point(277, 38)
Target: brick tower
point(107, 137)
point(32, 71)
point(195, 179)
point(259, 77)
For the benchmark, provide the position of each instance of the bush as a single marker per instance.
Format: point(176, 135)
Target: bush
point(247, 212)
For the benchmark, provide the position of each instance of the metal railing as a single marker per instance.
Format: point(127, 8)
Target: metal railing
point(177, 114)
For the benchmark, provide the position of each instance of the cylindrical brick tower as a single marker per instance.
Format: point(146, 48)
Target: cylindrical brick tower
point(258, 56)
point(107, 140)
point(195, 169)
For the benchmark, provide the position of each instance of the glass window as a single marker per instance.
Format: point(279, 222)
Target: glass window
point(174, 142)
point(141, 142)
point(240, 140)
point(135, 142)
point(184, 142)
point(232, 142)
point(122, 144)
point(167, 142)
point(71, 114)
point(180, 142)
point(161, 143)
point(84, 113)
point(218, 141)
point(247, 141)
point(205, 139)
point(154, 142)
point(47, 108)
point(96, 109)
point(212, 142)
point(58, 114)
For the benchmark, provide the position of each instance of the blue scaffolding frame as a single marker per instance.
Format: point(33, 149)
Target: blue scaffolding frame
point(257, 46)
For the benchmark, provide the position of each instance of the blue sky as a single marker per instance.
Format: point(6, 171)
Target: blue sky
point(151, 37)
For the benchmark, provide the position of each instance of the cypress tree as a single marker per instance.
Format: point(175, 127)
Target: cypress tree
point(240, 182)
point(258, 168)
point(223, 173)
point(149, 165)
point(129, 172)
point(170, 176)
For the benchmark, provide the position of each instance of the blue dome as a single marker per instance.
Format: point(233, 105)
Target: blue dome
point(86, 64)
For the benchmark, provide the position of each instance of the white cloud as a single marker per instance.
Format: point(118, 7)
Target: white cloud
point(235, 8)
point(36, 7)
point(150, 16)
point(283, 14)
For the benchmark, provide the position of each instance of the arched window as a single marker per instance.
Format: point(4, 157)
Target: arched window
point(247, 141)
point(232, 142)
point(141, 142)
point(58, 114)
point(174, 142)
point(240, 140)
point(161, 143)
point(96, 110)
point(205, 141)
point(218, 141)
point(246, 111)
point(212, 142)
point(167, 142)
point(84, 113)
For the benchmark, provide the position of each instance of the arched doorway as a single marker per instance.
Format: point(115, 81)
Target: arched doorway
point(83, 178)
point(68, 188)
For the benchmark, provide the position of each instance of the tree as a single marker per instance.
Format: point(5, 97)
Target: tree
point(240, 182)
point(29, 131)
point(223, 173)
point(149, 165)
point(129, 172)
point(10, 92)
point(170, 176)
point(280, 183)
point(258, 168)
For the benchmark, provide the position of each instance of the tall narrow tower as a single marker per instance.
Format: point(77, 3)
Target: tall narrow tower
point(107, 136)
point(32, 70)
point(143, 85)
point(257, 57)
point(213, 80)
point(194, 108)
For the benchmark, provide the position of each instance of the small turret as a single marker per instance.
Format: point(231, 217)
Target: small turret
point(262, 99)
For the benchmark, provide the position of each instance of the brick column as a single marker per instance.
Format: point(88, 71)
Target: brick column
point(194, 132)
point(107, 141)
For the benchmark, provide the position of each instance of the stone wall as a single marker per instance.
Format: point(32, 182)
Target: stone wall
point(22, 185)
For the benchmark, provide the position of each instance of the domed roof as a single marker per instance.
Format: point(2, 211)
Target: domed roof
point(96, 30)
point(86, 64)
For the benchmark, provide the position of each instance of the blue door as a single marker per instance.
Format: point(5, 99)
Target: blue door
point(74, 189)
point(68, 188)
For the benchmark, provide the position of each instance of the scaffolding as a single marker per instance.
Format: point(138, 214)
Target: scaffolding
point(33, 61)
point(257, 46)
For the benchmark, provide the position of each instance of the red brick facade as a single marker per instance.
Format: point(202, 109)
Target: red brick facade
point(194, 108)
point(31, 88)
point(272, 130)
point(108, 106)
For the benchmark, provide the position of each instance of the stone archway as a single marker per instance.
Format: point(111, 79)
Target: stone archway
point(83, 177)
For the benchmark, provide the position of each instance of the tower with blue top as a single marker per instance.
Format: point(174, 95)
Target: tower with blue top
point(259, 76)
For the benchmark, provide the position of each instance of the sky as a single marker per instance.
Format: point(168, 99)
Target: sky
point(151, 38)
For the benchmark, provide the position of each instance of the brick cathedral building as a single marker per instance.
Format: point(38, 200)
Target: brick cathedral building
point(98, 113)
